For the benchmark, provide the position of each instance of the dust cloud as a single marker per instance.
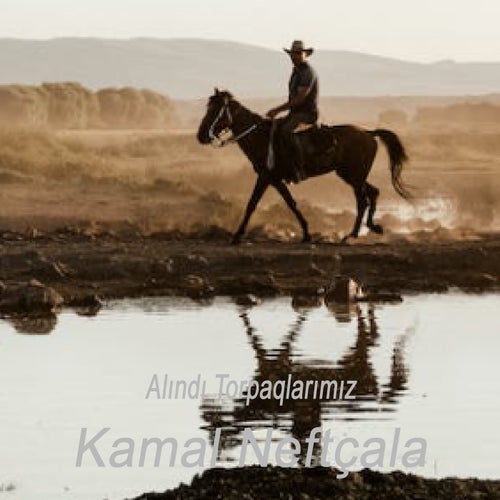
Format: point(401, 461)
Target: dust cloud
point(118, 159)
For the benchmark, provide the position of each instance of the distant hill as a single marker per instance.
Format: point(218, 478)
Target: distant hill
point(189, 68)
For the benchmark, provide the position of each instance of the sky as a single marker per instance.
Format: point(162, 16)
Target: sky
point(415, 30)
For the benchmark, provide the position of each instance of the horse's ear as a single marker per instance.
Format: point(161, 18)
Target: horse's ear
point(216, 91)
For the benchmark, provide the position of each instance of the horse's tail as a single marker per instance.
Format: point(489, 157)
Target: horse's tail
point(397, 157)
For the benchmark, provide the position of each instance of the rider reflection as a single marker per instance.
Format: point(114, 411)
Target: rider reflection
point(297, 417)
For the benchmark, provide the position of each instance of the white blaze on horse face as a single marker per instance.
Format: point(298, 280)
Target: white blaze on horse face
point(215, 137)
point(224, 108)
point(211, 132)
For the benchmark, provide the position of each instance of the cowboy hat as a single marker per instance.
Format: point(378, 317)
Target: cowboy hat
point(298, 46)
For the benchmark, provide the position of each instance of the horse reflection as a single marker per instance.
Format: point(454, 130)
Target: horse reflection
point(297, 417)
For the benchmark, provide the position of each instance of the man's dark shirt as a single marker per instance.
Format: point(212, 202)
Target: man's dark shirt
point(304, 76)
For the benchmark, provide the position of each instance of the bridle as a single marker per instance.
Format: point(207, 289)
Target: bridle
point(215, 140)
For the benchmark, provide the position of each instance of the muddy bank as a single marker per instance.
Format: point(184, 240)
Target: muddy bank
point(321, 483)
point(82, 267)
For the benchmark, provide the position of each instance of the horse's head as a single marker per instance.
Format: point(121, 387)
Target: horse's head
point(218, 116)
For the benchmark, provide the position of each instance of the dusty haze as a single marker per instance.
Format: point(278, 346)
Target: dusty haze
point(162, 179)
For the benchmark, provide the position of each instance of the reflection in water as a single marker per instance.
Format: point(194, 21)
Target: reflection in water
point(34, 325)
point(439, 380)
point(297, 417)
point(91, 306)
point(343, 313)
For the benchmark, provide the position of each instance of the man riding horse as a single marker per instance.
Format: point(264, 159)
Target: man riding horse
point(347, 150)
point(302, 104)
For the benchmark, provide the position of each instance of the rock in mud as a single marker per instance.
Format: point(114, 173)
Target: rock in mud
point(34, 325)
point(88, 305)
point(33, 298)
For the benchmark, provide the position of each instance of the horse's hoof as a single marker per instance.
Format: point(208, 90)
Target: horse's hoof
point(236, 240)
point(306, 238)
point(377, 228)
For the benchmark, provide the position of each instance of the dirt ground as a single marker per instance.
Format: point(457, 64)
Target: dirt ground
point(204, 264)
point(258, 483)
point(128, 213)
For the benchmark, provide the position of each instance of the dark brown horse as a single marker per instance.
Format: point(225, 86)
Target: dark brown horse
point(352, 159)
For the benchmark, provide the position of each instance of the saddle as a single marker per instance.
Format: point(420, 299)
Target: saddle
point(317, 146)
point(315, 140)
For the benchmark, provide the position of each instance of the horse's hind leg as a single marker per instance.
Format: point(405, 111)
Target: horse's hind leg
point(372, 194)
point(361, 204)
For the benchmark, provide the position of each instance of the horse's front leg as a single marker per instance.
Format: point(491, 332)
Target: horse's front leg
point(261, 185)
point(292, 205)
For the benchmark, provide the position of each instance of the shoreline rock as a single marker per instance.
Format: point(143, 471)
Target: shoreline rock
point(30, 299)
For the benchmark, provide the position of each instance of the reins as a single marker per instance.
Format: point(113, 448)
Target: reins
point(215, 140)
